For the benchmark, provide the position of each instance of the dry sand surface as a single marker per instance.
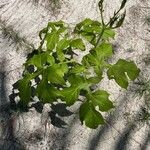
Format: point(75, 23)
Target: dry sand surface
point(20, 22)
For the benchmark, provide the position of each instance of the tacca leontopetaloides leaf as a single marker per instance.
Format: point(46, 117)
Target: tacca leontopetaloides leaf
point(77, 69)
point(70, 94)
point(79, 27)
point(108, 33)
point(97, 55)
point(46, 92)
point(56, 73)
point(78, 44)
point(39, 60)
point(88, 112)
point(90, 116)
point(52, 38)
point(104, 50)
point(24, 87)
point(122, 71)
point(90, 30)
point(61, 46)
point(100, 98)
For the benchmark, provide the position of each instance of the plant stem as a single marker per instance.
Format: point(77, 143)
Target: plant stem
point(100, 36)
point(66, 62)
point(101, 13)
point(103, 24)
point(115, 14)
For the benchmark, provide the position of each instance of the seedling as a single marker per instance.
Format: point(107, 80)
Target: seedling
point(54, 73)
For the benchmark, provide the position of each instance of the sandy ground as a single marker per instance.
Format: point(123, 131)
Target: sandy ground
point(20, 22)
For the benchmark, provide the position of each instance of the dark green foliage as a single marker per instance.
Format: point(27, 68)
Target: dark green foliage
point(62, 77)
point(122, 71)
point(90, 116)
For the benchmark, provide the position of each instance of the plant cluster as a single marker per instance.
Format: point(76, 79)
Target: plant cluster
point(52, 73)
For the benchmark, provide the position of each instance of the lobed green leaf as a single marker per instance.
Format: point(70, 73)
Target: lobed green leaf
point(100, 98)
point(123, 70)
point(70, 94)
point(52, 39)
point(40, 60)
point(24, 87)
point(46, 92)
point(78, 44)
point(56, 73)
point(90, 116)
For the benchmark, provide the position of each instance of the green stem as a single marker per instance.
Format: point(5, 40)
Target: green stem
point(115, 14)
point(104, 26)
point(66, 62)
point(102, 18)
point(101, 13)
point(37, 73)
point(100, 36)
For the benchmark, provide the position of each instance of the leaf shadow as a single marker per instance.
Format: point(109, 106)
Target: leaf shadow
point(146, 143)
point(63, 135)
point(57, 113)
point(125, 136)
point(8, 141)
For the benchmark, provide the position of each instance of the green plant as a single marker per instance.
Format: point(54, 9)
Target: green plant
point(54, 73)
